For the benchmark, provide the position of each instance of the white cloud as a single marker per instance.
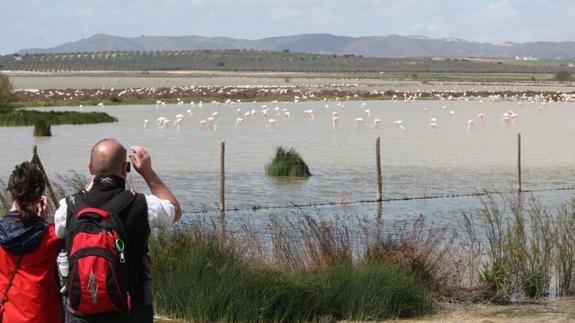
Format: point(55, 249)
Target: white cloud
point(86, 12)
point(424, 29)
point(500, 10)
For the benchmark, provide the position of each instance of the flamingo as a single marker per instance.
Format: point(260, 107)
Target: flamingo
point(470, 124)
point(162, 122)
point(513, 116)
point(376, 123)
point(178, 123)
point(308, 113)
point(239, 121)
point(399, 124)
point(271, 123)
point(368, 113)
point(211, 123)
point(334, 121)
point(146, 123)
point(506, 119)
point(481, 117)
point(433, 124)
point(359, 122)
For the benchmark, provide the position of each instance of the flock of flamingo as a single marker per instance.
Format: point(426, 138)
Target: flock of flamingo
point(272, 115)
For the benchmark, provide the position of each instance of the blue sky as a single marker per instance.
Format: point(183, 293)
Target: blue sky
point(47, 23)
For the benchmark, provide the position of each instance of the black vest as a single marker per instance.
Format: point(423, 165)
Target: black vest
point(135, 219)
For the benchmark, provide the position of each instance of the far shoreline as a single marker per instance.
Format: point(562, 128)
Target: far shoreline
point(91, 88)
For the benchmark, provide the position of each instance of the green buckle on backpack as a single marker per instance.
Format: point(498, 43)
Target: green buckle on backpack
point(119, 245)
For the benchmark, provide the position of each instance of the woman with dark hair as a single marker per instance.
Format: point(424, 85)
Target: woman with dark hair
point(29, 247)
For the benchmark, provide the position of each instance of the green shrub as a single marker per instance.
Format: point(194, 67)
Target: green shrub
point(287, 163)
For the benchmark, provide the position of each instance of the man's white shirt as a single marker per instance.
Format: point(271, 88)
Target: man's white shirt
point(160, 213)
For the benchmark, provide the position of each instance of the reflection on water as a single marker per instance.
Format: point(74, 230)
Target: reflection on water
point(416, 162)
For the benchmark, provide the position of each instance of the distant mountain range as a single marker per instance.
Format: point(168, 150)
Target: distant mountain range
point(374, 46)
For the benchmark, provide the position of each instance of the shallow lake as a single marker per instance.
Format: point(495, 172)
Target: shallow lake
point(417, 161)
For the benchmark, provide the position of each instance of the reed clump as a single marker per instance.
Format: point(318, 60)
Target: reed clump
point(519, 247)
point(287, 162)
point(431, 254)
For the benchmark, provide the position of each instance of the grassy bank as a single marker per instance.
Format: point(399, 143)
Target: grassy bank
point(19, 117)
point(203, 280)
point(304, 267)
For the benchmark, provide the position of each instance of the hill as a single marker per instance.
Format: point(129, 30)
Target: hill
point(257, 60)
point(391, 46)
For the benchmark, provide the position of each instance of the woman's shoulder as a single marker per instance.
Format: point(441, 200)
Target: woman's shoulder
point(51, 233)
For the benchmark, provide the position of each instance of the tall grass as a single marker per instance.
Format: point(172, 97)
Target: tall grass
point(287, 162)
point(564, 237)
point(519, 248)
point(431, 254)
point(206, 276)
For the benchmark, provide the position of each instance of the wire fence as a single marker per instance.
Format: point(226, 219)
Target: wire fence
point(382, 182)
point(451, 165)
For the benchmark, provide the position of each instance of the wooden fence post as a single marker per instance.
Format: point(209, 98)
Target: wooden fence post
point(36, 160)
point(222, 178)
point(520, 189)
point(378, 170)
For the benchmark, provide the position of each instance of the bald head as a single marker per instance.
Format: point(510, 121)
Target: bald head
point(108, 157)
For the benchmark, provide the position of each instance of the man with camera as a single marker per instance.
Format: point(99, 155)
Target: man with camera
point(106, 230)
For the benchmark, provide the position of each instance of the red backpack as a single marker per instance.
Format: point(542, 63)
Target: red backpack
point(98, 281)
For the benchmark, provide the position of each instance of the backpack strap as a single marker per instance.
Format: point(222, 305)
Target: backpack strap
point(5, 295)
point(75, 203)
point(116, 205)
point(119, 202)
